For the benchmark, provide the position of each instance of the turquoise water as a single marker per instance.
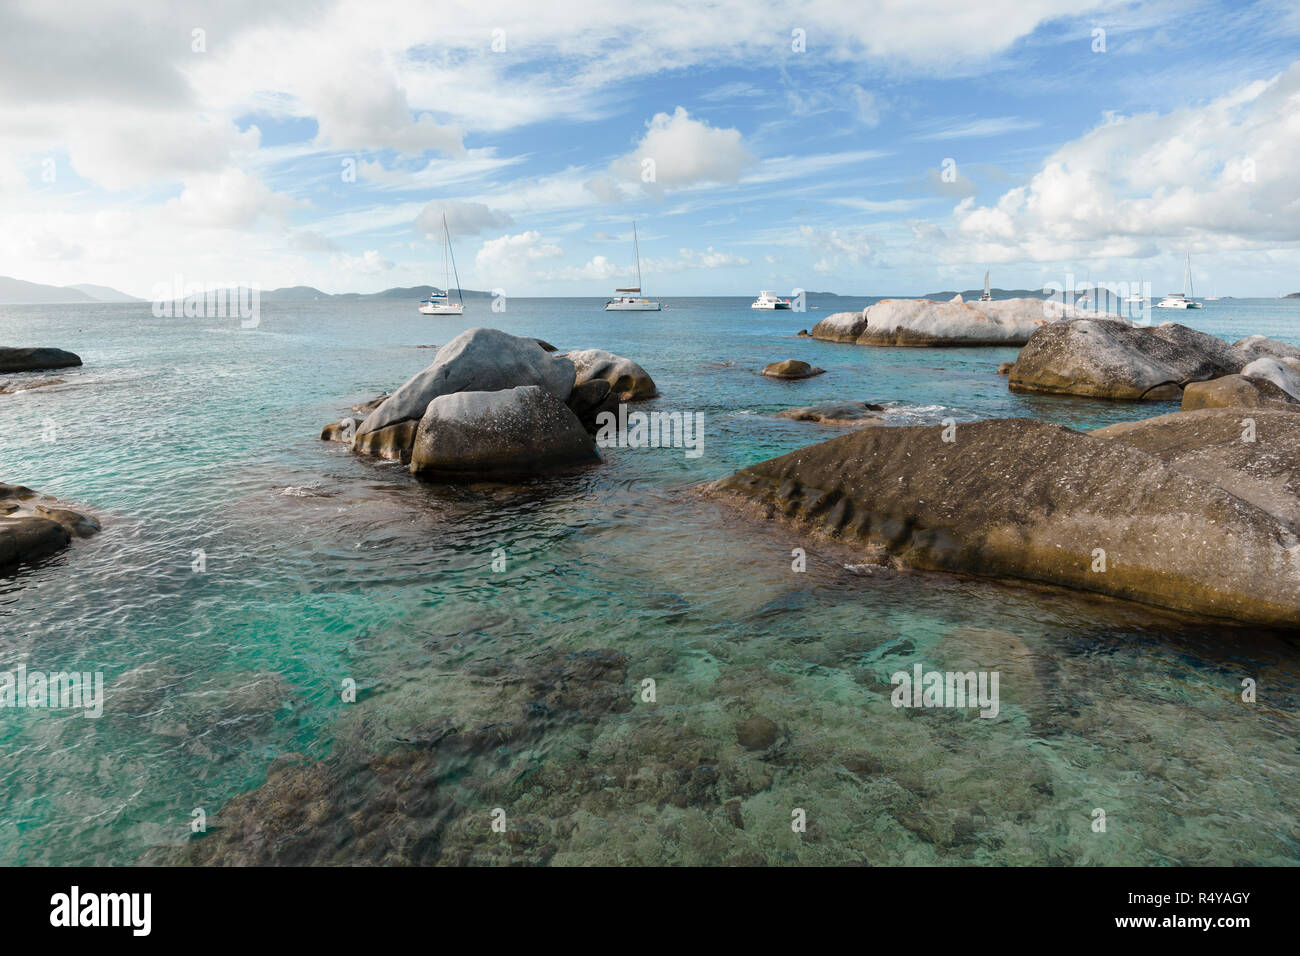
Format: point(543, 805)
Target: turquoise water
point(196, 434)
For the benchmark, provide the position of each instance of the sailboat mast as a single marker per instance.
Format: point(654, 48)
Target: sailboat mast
point(1187, 274)
point(636, 248)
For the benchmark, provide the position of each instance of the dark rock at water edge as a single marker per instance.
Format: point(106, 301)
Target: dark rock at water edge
point(35, 359)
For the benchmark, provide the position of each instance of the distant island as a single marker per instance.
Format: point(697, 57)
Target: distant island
point(21, 292)
point(1292, 295)
point(996, 293)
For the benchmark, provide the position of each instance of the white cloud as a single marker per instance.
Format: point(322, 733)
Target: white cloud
point(679, 151)
point(463, 218)
point(506, 260)
point(1221, 173)
point(370, 263)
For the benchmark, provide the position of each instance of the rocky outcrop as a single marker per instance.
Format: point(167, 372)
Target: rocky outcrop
point(483, 360)
point(1237, 391)
point(1111, 358)
point(925, 322)
point(836, 413)
point(35, 359)
point(33, 526)
point(588, 399)
point(628, 381)
point(517, 431)
point(1017, 498)
point(791, 369)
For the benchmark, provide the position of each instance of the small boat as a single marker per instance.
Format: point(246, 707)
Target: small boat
point(1181, 300)
point(437, 303)
point(629, 300)
point(769, 300)
point(987, 296)
point(1136, 298)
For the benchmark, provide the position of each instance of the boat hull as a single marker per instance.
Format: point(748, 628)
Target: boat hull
point(633, 306)
point(442, 310)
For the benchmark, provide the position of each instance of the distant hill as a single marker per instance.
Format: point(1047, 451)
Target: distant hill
point(102, 293)
point(306, 293)
point(1290, 295)
point(996, 293)
point(22, 292)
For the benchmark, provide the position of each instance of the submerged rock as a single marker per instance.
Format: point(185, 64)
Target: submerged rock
point(1110, 358)
point(34, 359)
point(1237, 390)
point(12, 387)
point(836, 413)
point(516, 431)
point(925, 322)
point(343, 430)
point(791, 368)
point(33, 526)
point(1019, 498)
point(628, 381)
point(480, 360)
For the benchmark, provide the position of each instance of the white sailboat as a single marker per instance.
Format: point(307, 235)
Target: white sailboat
point(987, 296)
point(629, 300)
point(1181, 300)
point(438, 303)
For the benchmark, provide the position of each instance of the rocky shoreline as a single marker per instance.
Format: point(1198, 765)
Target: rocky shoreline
point(34, 526)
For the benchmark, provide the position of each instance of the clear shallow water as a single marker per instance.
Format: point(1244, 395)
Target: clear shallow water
point(194, 433)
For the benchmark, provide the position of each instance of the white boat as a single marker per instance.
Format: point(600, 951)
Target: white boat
point(987, 296)
point(769, 300)
point(438, 303)
point(1181, 300)
point(1135, 297)
point(630, 300)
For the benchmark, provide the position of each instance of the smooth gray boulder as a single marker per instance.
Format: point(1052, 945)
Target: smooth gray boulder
point(1110, 358)
point(512, 432)
point(627, 380)
point(1259, 346)
point(1277, 371)
point(791, 369)
point(477, 360)
point(34, 359)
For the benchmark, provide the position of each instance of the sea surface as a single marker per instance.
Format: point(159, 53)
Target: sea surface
point(604, 690)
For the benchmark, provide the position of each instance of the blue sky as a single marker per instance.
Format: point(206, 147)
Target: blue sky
point(906, 148)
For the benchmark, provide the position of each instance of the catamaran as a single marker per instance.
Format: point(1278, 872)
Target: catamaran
point(438, 303)
point(1181, 300)
point(770, 300)
point(988, 295)
point(629, 300)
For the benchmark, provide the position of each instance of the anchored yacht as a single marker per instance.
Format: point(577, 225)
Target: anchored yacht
point(1181, 300)
point(769, 300)
point(630, 300)
point(438, 303)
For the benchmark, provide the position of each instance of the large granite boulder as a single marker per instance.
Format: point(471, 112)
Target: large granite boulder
point(925, 322)
point(33, 525)
point(627, 380)
point(1237, 391)
point(1259, 346)
point(512, 432)
point(477, 360)
point(34, 359)
point(1111, 358)
point(1280, 372)
point(1021, 498)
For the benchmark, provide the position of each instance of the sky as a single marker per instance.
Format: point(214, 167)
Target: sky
point(866, 147)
